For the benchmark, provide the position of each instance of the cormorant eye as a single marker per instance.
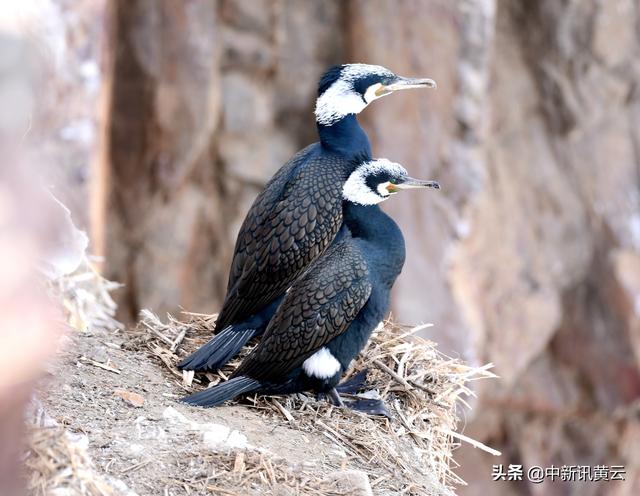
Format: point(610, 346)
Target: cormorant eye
point(393, 180)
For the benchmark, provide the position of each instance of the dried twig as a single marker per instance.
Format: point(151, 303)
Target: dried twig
point(472, 442)
point(99, 365)
point(389, 371)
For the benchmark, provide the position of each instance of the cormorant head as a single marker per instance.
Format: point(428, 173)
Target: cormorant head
point(376, 180)
point(349, 88)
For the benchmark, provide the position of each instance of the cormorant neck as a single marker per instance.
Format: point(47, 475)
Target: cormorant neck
point(365, 221)
point(382, 237)
point(345, 137)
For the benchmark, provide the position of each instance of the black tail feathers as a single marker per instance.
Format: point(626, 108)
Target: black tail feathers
point(217, 352)
point(228, 390)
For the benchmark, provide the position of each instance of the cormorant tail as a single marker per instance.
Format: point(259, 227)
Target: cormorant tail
point(227, 390)
point(219, 350)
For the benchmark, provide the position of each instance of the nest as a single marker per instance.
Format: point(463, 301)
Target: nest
point(410, 453)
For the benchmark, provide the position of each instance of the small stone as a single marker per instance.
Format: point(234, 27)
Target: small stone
point(134, 399)
point(99, 354)
point(352, 482)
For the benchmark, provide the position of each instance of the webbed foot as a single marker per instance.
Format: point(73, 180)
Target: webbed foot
point(354, 384)
point(370, 407)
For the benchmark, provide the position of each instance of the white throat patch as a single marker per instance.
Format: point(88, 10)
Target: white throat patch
point(356, 190)
point(322, 364)
point(341, 99)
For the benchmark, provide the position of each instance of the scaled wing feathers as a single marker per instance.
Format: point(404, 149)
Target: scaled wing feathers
point(319, 307)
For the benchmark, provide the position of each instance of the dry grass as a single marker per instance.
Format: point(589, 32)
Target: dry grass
point(248, 473)
point(408, 454)
point(411, 453)
point(86, 298)
point(58, 462)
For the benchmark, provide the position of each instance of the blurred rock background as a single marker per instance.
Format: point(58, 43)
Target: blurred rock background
point(166, 118)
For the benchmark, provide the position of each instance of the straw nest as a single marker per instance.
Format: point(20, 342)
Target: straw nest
point(411, 453)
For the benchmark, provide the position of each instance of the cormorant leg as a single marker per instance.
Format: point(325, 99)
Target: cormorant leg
point(354, 383)
point(370, 407)
point(335, 397)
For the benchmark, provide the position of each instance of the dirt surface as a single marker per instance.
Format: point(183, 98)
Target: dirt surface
point(164, 447)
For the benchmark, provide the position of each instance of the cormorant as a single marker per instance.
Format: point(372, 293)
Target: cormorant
point(298, 214)
point(328, 314)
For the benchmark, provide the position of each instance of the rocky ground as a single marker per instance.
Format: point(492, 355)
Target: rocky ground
point(144, 442)
point(108, 422)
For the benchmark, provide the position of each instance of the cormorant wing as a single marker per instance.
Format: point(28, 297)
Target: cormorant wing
point(319, 306)
point(289, 225)
point(270, 195)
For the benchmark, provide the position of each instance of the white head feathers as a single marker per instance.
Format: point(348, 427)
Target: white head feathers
point(341, 98)
point(356, 189)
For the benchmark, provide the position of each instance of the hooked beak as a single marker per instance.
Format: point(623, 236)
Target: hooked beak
point(402, 83)
point(411, 183)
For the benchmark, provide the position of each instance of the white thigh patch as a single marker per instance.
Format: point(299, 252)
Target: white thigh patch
point(322, 364)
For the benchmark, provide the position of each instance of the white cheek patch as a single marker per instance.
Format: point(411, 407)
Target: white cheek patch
point(322, 364)
point(382, 189)
point(355, 188)
point(338, 101)
point(370, 94)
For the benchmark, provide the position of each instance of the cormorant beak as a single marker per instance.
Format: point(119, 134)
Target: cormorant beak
point(402, 83)
point(411, 183)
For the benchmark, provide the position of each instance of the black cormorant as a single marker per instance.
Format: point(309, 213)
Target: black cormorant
point(298, 214)
point(328, 314)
